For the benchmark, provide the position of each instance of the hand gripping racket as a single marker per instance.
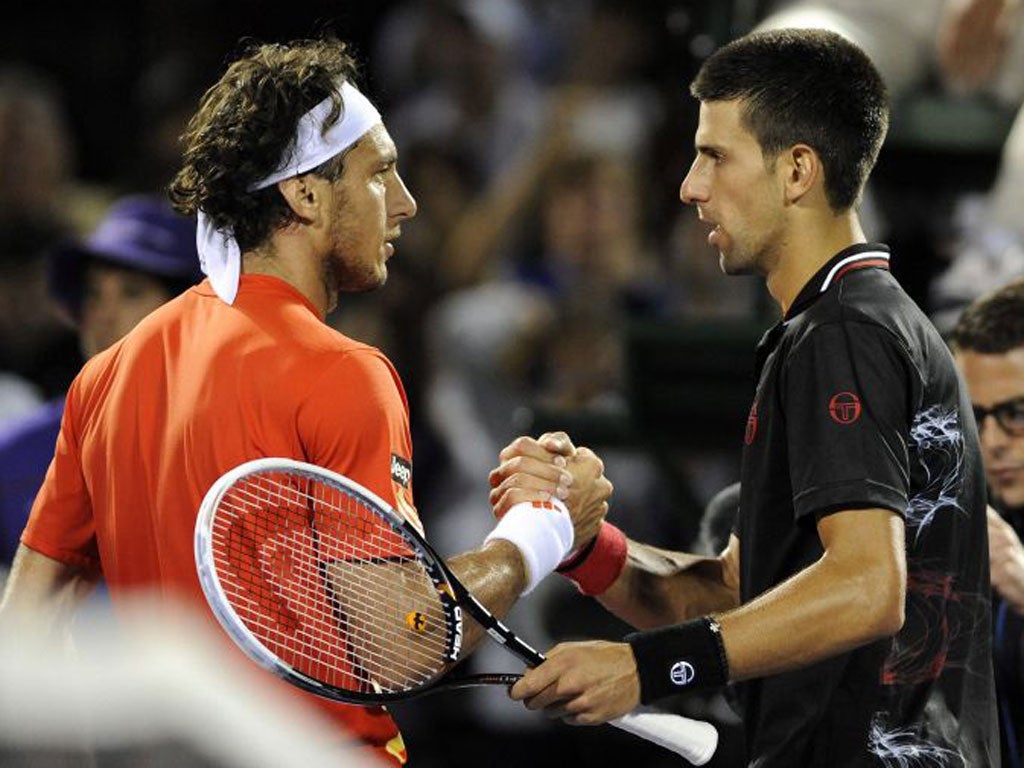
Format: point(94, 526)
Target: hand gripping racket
point(322, 583)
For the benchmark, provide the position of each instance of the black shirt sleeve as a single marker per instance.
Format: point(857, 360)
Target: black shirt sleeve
point(847, 392)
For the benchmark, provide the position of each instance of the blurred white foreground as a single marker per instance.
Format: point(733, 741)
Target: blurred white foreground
point(148, 689)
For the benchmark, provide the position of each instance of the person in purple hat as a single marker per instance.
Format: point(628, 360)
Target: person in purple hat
point(141, 255)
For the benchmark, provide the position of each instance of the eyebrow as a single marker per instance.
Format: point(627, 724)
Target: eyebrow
point(1010, 402)
point(705, 149)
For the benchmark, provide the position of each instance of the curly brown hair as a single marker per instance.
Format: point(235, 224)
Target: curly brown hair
point(244, 125)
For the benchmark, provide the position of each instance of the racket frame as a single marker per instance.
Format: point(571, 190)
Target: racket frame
point(694, 740)
point(453, 594)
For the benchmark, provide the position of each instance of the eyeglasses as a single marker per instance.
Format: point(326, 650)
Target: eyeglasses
point(1009, 416)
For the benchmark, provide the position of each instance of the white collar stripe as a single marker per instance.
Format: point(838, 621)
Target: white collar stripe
point(872, 255)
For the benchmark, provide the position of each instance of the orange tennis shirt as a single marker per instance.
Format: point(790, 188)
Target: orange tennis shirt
point(195, 389)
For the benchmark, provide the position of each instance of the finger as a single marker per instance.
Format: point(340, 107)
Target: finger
point(533, 682)
point(577, 709)
point(553, 688)
point(585, 718)
point(583, 711)
point(588, 461)
point(583, 452)
point(550, 700)
point(527, 466)
point(501, 480)
point(547, 489)
point(524, 446)
point(515, 496)
point(503, 500)
point(538, 467)
point(557, 442)
point(530, 473)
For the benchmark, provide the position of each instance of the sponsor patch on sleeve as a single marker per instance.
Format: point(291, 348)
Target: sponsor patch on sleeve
point(401, 470)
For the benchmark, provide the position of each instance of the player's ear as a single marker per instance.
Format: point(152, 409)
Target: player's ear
point(802, 169)
point(303, 196)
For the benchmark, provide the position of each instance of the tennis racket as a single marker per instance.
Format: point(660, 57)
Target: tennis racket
point(321, 582)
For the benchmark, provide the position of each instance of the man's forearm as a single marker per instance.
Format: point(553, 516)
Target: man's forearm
point(823, 611)
point(43, 592)
point(495, 575)
point(853, 595)
point(658, 587)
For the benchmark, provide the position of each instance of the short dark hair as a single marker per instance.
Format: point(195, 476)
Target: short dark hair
point(994, 323)
point(243, 127)
point(805, 86)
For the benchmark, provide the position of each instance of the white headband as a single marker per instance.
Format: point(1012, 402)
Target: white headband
point(219, 254)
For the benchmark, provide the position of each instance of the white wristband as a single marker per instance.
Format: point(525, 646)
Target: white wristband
point(542, 531)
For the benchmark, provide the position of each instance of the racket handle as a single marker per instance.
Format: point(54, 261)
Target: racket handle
point(695, 740)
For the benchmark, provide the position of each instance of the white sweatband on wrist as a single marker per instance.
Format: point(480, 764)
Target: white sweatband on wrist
point(219, 255)
point(542, 531)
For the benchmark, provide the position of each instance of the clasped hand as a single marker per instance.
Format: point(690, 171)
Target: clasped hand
point(583, 683)
point(552, 467)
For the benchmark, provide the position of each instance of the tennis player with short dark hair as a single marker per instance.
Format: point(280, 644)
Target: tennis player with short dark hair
point(988, 345)
point(295, 183)
point(852, 600)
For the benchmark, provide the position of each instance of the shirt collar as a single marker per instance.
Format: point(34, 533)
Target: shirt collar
point(259, 283)
point(859, 256)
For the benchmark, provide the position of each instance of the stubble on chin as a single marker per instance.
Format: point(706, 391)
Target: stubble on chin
point(339, 276)
point(749, 262)
point(734, 267)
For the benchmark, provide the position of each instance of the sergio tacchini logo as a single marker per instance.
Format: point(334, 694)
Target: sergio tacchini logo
point(681, 673)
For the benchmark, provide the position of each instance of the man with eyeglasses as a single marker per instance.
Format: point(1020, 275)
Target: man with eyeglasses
point(988, 343)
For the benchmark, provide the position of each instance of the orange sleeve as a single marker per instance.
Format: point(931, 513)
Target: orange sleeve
point(61, 524)
point(355, 421)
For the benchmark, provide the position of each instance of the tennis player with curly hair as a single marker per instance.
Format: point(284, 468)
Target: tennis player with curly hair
point(294, 181)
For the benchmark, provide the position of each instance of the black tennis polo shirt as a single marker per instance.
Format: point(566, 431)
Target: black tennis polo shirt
point(859, 405)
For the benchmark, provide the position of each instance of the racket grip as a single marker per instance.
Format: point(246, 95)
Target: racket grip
point(695, 740)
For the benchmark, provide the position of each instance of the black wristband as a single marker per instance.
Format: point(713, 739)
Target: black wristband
point(679, 658)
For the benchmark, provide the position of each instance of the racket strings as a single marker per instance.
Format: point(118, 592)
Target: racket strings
point(387, 586)
point(328, 585)
point(316, 635)
point(307, 551)
point(295, 593)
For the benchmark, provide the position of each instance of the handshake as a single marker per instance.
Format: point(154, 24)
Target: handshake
point(550, 499)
